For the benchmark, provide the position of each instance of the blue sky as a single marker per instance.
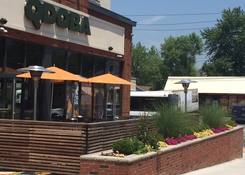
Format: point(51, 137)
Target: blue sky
point(172, 27)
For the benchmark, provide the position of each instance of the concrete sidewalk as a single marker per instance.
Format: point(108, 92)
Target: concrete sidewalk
point(234, 167)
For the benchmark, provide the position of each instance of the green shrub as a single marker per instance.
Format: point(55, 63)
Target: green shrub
point(172, 122)
point(231, 123)
point(146, 136)
point(128, 146)
point(214, 116)
point(200, 127)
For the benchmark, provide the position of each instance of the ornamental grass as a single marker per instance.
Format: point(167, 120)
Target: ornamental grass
point(214, 116)
point(172, 122)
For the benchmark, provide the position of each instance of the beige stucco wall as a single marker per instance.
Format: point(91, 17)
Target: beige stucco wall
point(103, 3)
point(103, 33)
point(106, 4)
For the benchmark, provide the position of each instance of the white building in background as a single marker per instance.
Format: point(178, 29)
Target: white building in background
point(103, 3)
point(223, 90)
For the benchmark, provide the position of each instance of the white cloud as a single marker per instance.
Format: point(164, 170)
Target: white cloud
point(152, 20)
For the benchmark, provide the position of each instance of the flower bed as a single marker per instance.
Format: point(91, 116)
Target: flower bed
point(183, 154)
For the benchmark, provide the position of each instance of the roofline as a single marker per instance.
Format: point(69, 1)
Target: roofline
point(110, 13)
point(206, 77)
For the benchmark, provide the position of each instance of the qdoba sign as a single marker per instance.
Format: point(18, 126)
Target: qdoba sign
point(42, 12)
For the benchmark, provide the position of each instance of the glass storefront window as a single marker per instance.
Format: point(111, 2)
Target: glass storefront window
point(113, 102)
point(72, 100)
point(34, 54)
point(2, 50)
point(59, 58)
point(15, 54)
point(87, 66)
point(5, 97)
point(86, 101)
point(15, 51)
point(99, 102)
point(74, 63)
point(114, 67)
point(99, 66)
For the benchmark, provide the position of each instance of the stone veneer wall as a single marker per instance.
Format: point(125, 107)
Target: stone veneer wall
point(173, 160)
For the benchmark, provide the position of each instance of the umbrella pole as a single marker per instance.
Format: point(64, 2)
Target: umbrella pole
point(51, 100)
point(13, 98)
point(72, 99)
point(92, 109)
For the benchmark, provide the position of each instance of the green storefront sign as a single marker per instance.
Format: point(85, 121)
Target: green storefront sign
point(42, 12)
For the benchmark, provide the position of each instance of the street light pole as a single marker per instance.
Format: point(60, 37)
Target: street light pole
point(185, 83)
point(185, 91)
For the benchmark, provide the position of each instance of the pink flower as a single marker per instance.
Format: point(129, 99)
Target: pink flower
point(190, 137)
point(171, 141)
point(218, 130)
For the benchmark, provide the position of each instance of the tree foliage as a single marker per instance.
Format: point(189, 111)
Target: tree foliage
point(179, 54)
point(146, 66)
point(225, 44)
point(178, 57)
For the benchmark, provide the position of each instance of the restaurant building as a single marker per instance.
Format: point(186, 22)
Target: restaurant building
point(81, 36)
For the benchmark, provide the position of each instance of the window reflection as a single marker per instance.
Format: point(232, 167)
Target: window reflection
point(5, 97)
point(34, 54)
point(15, 55)
point(87, 66)
point(74, 63)
point(99, 101)
point(59, 58)
point(86, 100)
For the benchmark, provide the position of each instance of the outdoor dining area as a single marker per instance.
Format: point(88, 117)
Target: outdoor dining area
point(54, 94)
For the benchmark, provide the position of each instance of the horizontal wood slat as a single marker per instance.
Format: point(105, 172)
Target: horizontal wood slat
point(102, 135)
point(41, 146)
point(57, 146)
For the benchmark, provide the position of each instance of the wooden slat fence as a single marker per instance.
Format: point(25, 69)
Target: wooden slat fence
point(102, 135)
point(41, 146)
point(56, 146)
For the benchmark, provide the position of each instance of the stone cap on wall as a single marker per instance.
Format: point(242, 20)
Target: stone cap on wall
point(135, 158)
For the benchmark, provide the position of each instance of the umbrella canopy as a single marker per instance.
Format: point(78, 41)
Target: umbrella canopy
point(108, 79)
point(58, 75)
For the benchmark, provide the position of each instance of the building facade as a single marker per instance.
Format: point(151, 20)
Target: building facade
point(79, 36)
point(225, 91)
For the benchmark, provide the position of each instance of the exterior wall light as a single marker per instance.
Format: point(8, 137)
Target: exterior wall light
point(3, 21)
point(110, 48)
point(119, 56)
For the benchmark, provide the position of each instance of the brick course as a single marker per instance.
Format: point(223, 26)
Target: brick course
point(179, 159)
point(75, 4)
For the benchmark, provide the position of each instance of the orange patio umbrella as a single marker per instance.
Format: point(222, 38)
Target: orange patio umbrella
point(58, 75)
point(108, 79)
point(105, 79)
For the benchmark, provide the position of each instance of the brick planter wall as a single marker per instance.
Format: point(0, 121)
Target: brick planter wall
point(182, 158)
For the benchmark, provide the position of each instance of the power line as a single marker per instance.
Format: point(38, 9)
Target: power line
point(160, 30)
point(181, 23)
point(175, 14)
